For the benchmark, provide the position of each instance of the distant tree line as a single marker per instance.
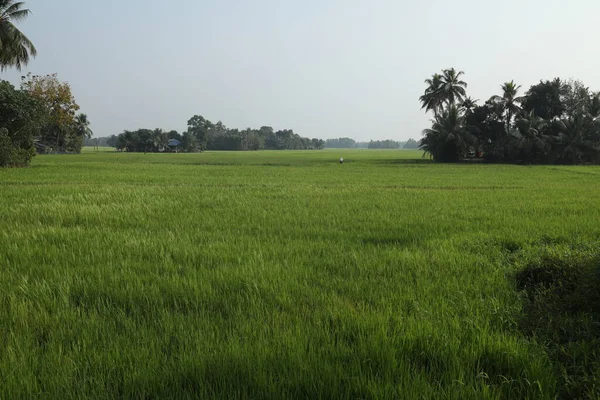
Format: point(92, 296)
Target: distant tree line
point(385, 144)
point(555, 122)
point(205, 135)
point(412, 144)
point(348, 143)
point(340, 143)
point(107, 141)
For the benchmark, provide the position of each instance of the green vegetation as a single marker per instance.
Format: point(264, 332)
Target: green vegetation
point(385, 144)
point(15, 48)
point(411, 144)
point(21, 118)
point(341, 143)
point(41, 116)
point(64, 130)
point(556, 122)
point(347, 143)
point(205, 135)
point(288, 275)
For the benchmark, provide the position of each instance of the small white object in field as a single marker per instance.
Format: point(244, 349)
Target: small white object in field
point(341, 160)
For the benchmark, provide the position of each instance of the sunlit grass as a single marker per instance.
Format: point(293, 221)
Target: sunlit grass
point(277, 274)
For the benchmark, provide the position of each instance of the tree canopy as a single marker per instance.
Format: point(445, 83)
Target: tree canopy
point(202, 134)
point(15, 48)
point(21, 119)
point(554, 122)
point(65, 129)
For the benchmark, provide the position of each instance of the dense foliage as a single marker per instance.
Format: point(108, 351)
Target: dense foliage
point(348, 143)
point(41, 116)
point(205, 135)
point(555, 122)
point(15, 47)
point(157, 140)
point(21, 117)
point(411, 144)
point(385, 144)
point(64, 129)
point(340, 143)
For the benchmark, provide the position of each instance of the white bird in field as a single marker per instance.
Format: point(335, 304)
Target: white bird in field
point(341, 160)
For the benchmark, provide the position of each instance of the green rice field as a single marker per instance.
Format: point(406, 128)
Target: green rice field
point(271, 275)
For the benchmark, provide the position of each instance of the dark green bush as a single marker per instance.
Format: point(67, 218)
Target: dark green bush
point(13, 153)
point(20, 119)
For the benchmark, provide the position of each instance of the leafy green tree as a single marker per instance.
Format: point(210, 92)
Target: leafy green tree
point(576, 98)
point(174, 135)
point(448, 140)
point(15, 48)
point(21, 118)
point(545, 99)
point(200, 127)
point(189, 142)
point(129, 141)
point(12, 153)
point(60, 131)
point(317, 144)
point(252, 140)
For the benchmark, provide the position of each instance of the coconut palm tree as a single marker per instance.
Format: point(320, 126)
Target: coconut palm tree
point(453, 89)
point(508, 102)
point(594, 105)
point(448, 139)
point(468, 105)
point(15, 47)
point(579, 138)
point(529, 141)
point(82, 126)
point(432, 99)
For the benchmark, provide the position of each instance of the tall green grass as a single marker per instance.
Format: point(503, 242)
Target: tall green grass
point(280, 275)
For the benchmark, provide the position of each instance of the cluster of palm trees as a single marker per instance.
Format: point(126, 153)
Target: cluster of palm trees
point(554, 122)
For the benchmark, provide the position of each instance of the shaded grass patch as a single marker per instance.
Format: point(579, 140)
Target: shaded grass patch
point(561, 287)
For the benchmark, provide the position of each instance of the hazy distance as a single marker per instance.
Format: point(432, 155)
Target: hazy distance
point(324, 68)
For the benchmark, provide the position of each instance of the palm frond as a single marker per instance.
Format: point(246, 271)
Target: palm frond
point(15, 48)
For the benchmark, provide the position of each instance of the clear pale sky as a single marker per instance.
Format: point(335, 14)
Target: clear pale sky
point(324, 68)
